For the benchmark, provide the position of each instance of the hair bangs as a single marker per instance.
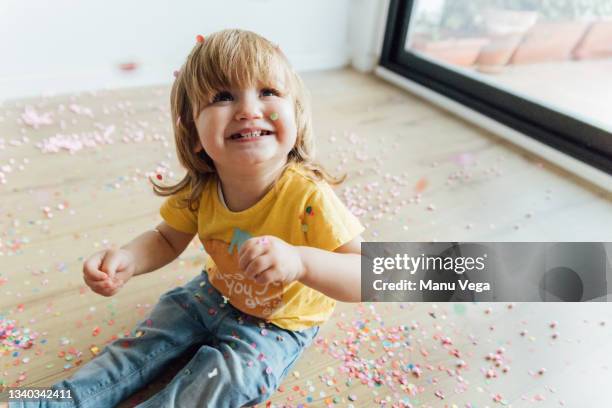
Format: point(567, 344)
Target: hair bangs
point(234, 60)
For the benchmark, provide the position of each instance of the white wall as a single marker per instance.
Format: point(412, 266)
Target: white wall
point(69, 45)
point(366, 32)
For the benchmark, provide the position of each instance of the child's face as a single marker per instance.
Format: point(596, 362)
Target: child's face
point(241, 128)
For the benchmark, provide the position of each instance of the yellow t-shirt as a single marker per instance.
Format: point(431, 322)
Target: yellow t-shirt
point(300, 211)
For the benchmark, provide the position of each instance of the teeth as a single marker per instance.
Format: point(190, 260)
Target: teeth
point(255, 133)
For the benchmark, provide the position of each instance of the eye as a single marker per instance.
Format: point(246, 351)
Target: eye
point(270, 92)
point(222, 96)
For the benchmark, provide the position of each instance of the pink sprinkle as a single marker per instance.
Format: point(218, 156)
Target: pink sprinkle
point(32, 118)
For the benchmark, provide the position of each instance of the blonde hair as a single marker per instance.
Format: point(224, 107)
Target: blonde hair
point(227, 59)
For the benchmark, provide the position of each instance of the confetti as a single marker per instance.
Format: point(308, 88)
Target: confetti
point(128, 66)
point(200, 38)
point(274, 116)
point(13, 337)
point(421, 185)
point(34, 119)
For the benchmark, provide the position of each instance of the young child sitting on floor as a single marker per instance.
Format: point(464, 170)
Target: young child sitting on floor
point(282, 248)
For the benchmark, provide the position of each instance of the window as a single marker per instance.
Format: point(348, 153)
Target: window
point(541, 67)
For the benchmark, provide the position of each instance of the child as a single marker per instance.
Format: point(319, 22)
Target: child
point(282, 247)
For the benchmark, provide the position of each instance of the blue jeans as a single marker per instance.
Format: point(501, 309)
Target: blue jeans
point(241, 361)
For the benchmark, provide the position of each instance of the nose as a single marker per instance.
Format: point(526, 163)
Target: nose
point(249, 108)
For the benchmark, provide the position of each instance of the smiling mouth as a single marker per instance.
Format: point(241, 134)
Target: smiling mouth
point(250, 135)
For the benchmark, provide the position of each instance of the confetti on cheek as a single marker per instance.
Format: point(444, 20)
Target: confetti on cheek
point(274, 116)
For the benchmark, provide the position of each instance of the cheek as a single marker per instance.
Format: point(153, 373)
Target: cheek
point(286, 123)
point(208, 127)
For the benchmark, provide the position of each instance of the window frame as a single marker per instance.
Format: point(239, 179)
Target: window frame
point(581, 140)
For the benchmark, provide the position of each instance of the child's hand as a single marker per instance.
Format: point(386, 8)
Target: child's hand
point(270, 259)
point(106, 272)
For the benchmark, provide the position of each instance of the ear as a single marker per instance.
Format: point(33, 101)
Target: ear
point(198, 147)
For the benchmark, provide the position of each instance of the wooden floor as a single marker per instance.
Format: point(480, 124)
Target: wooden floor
point(402, 156)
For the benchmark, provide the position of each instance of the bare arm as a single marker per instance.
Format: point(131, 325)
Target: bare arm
point(335, 274)
point(154, 249)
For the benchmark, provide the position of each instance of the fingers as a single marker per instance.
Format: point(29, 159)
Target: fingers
point(258, 265)
point(99, 273)
point(110, 263)
point(107, 287)
point(267, 276)
point(91, 267)
point(250, 250)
